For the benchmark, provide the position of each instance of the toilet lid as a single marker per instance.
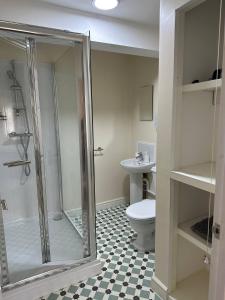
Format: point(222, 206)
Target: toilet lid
point(142, 210)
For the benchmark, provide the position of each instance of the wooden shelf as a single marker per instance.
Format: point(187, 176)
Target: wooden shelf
point(185, 231)
point(195, 287)
point(202, 86)
point(198, 176)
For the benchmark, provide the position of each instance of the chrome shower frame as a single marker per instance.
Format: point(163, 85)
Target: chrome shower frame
point(86, 134)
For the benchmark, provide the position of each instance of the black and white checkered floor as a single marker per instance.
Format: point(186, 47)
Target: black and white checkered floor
point(126, 273)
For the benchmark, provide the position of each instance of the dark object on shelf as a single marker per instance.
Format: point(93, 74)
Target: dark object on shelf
point(195, 81)
point(217, 74)
point(201, 228)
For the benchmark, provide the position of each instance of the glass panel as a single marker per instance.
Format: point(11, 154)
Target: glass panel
point(60, 80)
point(17, 166)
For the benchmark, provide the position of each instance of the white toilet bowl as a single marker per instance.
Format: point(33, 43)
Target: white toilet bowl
point(142, 219)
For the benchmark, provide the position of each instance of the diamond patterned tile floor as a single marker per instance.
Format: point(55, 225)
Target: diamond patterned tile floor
point(126, 273)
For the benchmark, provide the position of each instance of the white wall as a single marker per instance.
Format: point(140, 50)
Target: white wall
point(112, 123)
point(18, 190)
point(117, 129)
point(144, 71)
point(196, 52)
point(105, 32)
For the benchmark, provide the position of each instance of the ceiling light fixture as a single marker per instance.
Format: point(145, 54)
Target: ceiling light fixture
point(105, 4)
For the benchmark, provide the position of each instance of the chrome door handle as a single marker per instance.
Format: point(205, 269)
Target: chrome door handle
point(16, 163)
point(98, 149)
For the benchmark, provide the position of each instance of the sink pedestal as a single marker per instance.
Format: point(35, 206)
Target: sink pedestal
point(136, 187)
point(136, 170)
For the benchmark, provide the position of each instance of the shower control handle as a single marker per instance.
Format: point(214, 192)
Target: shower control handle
point(3, 205)
point(16, 163)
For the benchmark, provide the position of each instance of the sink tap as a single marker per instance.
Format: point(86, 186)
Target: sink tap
point(139, 157)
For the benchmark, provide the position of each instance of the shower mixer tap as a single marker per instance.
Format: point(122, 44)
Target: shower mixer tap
point(16, 163)
point(139, 157)
point(19, 106)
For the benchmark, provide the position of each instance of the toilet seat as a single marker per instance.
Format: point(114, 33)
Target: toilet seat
point(143, 210)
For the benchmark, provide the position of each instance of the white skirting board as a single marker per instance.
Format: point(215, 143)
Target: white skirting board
point(159, 288)
point(45, 286)
point(111, 203)
point(102, 205)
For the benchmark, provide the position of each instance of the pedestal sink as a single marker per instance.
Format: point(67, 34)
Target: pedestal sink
point(136, 170)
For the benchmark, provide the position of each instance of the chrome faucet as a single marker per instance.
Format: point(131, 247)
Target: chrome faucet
point(139, 157)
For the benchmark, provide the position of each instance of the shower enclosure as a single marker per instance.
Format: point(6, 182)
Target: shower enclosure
point(47, 209)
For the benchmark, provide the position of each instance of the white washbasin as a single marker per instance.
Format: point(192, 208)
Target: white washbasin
point(133, 166)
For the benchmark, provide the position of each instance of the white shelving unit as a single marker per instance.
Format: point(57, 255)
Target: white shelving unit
point(190, 118)
point(201, 176)
point(193, 131)
point(185, 231)
point(209, 85)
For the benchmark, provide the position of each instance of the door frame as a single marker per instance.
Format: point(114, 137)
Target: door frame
point(38, 150)
point(217, 270)
point(87, 146)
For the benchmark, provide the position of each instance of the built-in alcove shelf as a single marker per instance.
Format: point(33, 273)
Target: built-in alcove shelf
point(209, 85)
point(198, 175)
point(185, 231)
point(195, 287)
point(151, 193)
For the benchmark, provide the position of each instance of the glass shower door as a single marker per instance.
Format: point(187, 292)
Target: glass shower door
point(21, 246)
point(61, 92)
point(47, 212)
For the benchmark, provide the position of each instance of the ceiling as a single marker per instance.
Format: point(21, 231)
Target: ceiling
point(139, 11)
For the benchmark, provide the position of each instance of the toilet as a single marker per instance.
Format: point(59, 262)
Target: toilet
point(142, 219)
point(141, 216)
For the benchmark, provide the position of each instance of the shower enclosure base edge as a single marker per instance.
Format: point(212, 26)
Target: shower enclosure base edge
point(42, 287)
